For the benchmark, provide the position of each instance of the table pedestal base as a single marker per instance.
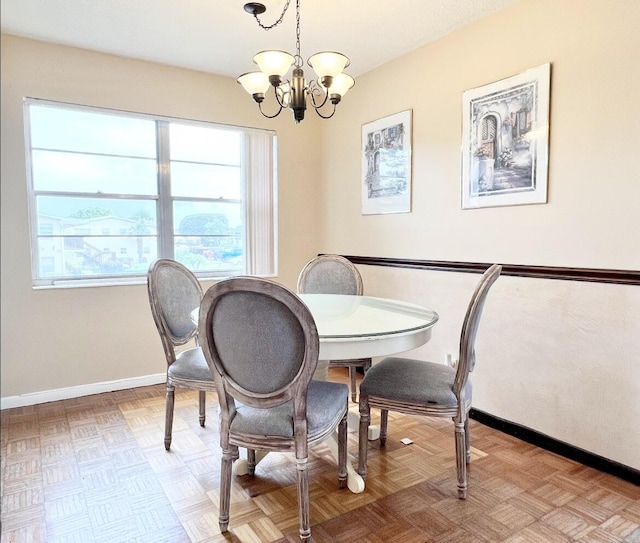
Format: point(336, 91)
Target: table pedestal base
point(355, 482)
point(353, 423)
point(241, 465)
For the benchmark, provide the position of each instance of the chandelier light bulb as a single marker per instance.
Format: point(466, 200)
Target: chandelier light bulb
point(255, 83)
point(274, 63)
point(328, 63)
point(340, 85)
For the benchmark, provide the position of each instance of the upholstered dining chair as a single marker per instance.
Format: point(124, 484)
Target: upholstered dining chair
point(418, 387)
point(262, 345)
point(334, 274)
point(173, 293)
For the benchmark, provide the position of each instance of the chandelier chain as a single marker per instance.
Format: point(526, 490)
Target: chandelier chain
point(298, 58)
point(269, 27)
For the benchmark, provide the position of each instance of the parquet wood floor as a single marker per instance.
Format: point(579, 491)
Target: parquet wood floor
point(94, 469)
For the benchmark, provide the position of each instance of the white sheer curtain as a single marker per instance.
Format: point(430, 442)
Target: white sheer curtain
point(261, 203)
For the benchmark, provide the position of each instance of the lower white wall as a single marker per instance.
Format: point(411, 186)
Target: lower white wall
point(559, 357)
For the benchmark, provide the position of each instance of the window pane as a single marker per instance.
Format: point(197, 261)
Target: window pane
point(206, 181)
point(45, 229)
point(209, 236)
point(207, 218)
point(202, 144)
point(72, 172)
point(75, 245)
point(106, 133)
point(96, 214)
point(86, 256)
point(205, 253)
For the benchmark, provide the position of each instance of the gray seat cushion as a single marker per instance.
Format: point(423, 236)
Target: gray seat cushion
point(191, 364)
point(326, 402)
point(413, 381)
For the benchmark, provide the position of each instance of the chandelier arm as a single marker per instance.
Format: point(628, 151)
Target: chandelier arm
point(325, 116)
point(271, 116)
point(281, 101)
point(313, 100)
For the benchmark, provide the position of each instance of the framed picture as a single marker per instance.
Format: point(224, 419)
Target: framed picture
point(386, 165)
point(505, 141)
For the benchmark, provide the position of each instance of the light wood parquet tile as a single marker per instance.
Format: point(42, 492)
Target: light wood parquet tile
point(588, 510)
point(554, 495)
point(600, 536)
point(632, 511)
point(539, 533)
point(94, 469)
point(620, 526)
point(568, 522)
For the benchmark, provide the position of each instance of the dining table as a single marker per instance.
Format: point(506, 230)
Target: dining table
point(353, 326)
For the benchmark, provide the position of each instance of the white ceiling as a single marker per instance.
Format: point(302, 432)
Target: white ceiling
point(218, 36)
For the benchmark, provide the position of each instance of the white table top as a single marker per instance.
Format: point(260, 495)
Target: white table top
point(365, 326)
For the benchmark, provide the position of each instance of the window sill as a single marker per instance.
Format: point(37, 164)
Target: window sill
point(119, 282)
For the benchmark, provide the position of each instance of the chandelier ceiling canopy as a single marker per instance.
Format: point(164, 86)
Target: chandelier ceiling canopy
point(294, 93)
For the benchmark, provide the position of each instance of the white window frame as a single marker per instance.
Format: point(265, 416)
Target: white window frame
point(259, 180)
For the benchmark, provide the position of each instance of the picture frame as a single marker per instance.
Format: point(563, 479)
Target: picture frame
point(386, 164)
point(505, 141)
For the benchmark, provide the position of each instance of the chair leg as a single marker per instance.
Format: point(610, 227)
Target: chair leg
point(461, 457)
point(303, 499)
point(168, 417)
point(384, 420)
point(202, 404)
point(251, 461)
point(352, 381)
point(467, 440)
point(342, 452)
point(225, 487)
point(363, 434)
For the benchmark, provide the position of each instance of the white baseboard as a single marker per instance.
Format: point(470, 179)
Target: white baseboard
point(33, 398)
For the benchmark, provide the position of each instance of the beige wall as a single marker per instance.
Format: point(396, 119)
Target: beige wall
point(560, 357)
point(594, 169)
point(54, 339)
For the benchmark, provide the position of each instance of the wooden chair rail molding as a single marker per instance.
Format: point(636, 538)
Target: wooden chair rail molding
point(621, 277)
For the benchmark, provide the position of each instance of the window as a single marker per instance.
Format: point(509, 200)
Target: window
point(47, 263)
point(111, 191)
point(46, 229)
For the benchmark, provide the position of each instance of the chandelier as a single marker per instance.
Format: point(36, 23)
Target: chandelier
point(332, 83)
